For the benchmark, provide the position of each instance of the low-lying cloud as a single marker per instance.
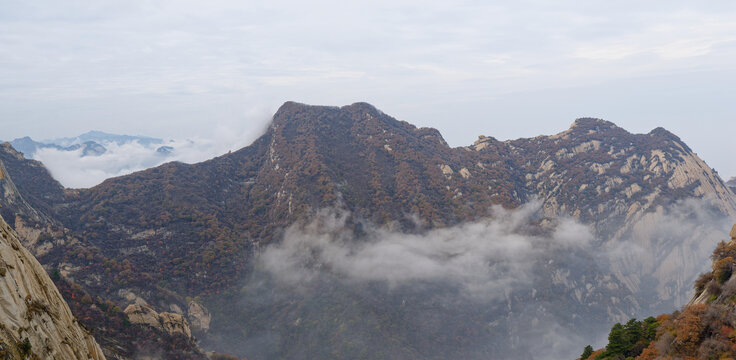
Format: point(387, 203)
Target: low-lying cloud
point(499, 287)
point(486, 257)
point(516, 284)
point(662, 253)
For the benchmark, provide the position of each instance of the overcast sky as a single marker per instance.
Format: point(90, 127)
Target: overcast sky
point(176, 69)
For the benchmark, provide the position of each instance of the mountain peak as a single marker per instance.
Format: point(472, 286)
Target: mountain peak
point(361, 106)
point(663, 133)
point(293, 106)
point(10, 149)
point(96, 133)
point(315, 117)
point(592, 124)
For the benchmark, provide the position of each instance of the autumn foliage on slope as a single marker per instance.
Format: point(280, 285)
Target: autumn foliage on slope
point(704, 329)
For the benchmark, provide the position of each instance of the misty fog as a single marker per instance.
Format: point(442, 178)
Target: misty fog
point(485, 258)
point(514, 285)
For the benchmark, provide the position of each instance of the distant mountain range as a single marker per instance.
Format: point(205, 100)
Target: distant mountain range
point(91, 143)
point(88, 159)
point(102, 137)
point(344, 233)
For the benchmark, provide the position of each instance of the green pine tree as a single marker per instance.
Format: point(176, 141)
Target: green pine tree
point(633, 331)
point(650, 328)
point(586, 352)
point(617, 341)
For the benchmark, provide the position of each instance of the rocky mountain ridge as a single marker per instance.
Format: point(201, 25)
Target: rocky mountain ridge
point(179, 231)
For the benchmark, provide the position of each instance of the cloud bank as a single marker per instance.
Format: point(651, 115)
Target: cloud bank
point(464, 291)
point(486, 258)
point(516, 285)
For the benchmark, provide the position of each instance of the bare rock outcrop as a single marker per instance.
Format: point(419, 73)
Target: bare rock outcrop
point(167, 322)
point(34, 318)
point(175, 324)
point(633, 192)
point(143, 315)
point(199, 316)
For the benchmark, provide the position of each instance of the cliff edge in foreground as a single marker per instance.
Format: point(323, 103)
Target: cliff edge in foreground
point(35, 322)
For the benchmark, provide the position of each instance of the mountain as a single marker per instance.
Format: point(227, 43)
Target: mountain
point(732, 184)
point(593, 221)
point(104, 138)
point(92, 143)
point(41, 234)
point(29, 147)
point(703, 329)
point(36, 192)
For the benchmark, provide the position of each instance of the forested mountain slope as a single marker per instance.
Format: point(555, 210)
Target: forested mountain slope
point(178, 231)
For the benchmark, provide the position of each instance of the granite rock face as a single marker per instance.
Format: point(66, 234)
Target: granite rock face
point(34, 318)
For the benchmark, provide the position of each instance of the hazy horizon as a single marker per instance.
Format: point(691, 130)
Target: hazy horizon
point(176, 69)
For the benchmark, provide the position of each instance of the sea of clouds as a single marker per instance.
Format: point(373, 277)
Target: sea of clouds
point(485, 257)
point(73, 170)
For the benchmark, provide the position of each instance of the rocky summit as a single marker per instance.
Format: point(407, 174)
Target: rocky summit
point(195, 239)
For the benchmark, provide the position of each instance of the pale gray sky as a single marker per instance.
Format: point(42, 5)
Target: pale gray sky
point(507, 69)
